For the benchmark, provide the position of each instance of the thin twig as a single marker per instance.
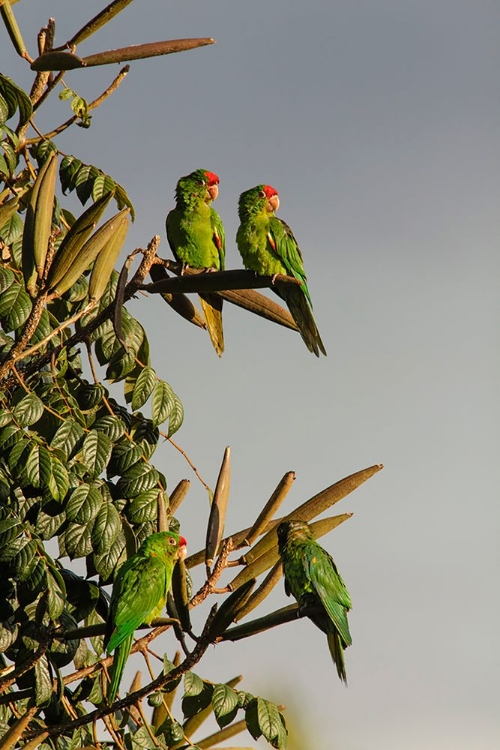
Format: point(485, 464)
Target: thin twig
point(183, 453)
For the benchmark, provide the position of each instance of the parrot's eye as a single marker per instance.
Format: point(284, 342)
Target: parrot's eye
point(171, 540)
point(202, 182)
point(262, 194)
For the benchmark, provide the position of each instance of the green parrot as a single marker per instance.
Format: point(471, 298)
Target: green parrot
point(196, 236)
point(139, 593)
point(268, 247)
point(312, 577)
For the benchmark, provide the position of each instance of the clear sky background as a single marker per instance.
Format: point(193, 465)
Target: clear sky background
point(379, 124)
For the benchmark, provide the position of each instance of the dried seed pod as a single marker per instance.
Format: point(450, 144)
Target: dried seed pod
point(74, 241)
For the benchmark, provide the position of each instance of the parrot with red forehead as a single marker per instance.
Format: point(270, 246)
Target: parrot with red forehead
point(196, 236)
point(139, 594)
point(268, 247)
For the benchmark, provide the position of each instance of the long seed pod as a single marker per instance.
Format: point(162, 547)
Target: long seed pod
point(74, 241)
point(87, 254)
point(271, 507)
point(38, 223)
point(180, 594)
point(316, 505)
point(105, 262)
point(177, 495)
point(215, 527)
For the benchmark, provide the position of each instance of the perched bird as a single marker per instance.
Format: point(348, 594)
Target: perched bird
point(268, 247)
point(196, 236)
point(139, 593)
point(312, 577)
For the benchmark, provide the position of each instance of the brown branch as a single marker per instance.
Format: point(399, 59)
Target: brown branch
point(210, 584)
point(189, 662)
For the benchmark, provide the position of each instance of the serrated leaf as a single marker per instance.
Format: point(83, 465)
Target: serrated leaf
point(56, 598)
point(194, 704)
point(124, 455)
point(102, 185)
point(77, 539)
point(142, 740)
point(193, 684)
point(143, 388)
point(111, 426)
point(162, 403)
point(139, 478)
point(29, 410)
point(70, 166)
point(12, 230)
point(59, 480)
point(263, 718)
point(15, 307)
point(96, 451)
point(43, 682)
point(106, 528)
point(67, 437)
point(176, 416)
point(7, 278)
point(106, 563)
point(84, 504)
point(84, 182)
point(225, 704)
point(144, 507)
point(38, 466)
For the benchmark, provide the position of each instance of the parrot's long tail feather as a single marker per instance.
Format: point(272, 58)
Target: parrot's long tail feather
point(120, 657)
point(337, 652)
point(212, 309)
point(302, 315)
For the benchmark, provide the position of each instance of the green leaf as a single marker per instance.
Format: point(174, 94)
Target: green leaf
point(43, 682)
point(68, 437)
point(124, 455)
point(15, 306)
point(111, 426)
point(144, 507)
point(12, 230)
point(68, 171)
point(143, 389)
point(225, 704)
point(102, 185)
point(77, 539)
point(7, 278)
point(38, 466)
point(96, 452)
point(193, 685)
point(263, 718)
point(142, 740)
point(162, 404)
point(56, 599)
point(107, 526)
point(9, 435)
point(59, 480)
point(139, 478)
point(29, 410)
point(84, 504)
point(15, 98)
point(106, 563)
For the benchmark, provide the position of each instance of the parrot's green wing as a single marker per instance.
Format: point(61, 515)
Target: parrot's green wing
point(285, 246)
point(329, 586)
point(141, 590)
point(219, 237)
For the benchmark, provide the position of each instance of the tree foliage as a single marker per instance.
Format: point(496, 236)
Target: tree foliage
point(76, 465)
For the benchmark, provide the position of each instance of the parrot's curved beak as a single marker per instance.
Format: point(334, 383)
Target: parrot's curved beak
point(182, 548)
point(213, 191)
point(273, 203)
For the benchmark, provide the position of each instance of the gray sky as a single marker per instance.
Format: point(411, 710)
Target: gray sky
point(378, 122)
